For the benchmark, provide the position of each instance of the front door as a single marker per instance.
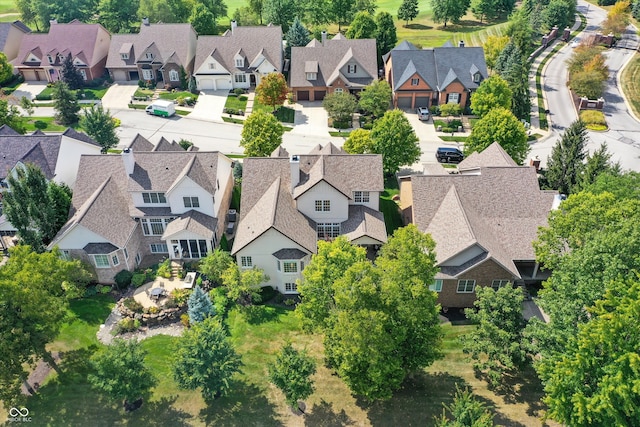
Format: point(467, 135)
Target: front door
point(176, 251)
point(252, 79)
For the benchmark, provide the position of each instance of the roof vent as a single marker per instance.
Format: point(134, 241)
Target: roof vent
point(461, 43)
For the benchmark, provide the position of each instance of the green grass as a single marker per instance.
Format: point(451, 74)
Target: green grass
point(178, 94)
point(142, 93)
point(235, 156)
point(390, 209)
point(52, 126)
point(138, 106)
point(631, 83)
point(236, 102)
point(93, 92)
point(342, 133)
point(454, 138)
point(182, 112)
point(232, 120)
point(284, 114)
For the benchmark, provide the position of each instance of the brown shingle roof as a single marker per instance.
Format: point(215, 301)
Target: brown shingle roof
point(493, 155)
point(140, 143)
point(159, 170)
point(364, 221)
point(165, 145)
point(193, 221)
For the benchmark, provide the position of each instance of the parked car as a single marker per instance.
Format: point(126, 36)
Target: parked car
point(449, 155)
point(423, 113)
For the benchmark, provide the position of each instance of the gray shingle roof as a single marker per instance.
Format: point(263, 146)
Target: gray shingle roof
point(7, 131)
point(99, 248)
point(192, 221)
point(289, 253)
point(493, 155)
point(140, 143)
point(165, 145)
point(251, 41)
point(330, 57)
point(364, 222)
point(280, 152)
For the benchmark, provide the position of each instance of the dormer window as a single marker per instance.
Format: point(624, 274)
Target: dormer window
point(50, 58)
point(60, 58)
point(239, 62)
point(351, 68)
point(148, 55)
point(415, 82)
point(476, 77)
point(312, 76)
point(124, 55)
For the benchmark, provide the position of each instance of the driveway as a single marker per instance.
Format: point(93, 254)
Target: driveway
point(118, 96)
point(210, 105)
point(29, 89)
point(311, 119)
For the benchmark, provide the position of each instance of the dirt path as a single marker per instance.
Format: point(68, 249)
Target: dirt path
point(38, 375)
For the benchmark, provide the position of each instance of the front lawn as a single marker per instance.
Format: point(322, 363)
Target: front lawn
point(178, 94)
point(235, 102)
point(82, 94)
point(46, 124)
point(284, 114)
point(630, 80)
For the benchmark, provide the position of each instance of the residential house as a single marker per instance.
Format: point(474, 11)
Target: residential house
point(483, 221)
point(140, 143)
point(288, 203)
point(134, 209)
point(57, 155)
point(332, 65)
point(157, 54)
point(11, 34)
point(239, 58)
point(41, 56)
point(434, 76)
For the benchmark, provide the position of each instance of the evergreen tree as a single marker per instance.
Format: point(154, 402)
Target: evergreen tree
point(566, 163)
point(297, 35)
point(65, 104)
point(99, 125)
point(635, 10)
point(200, 306)
point(598, 163)
point(505, 56)
point(408, 11)
point(70, 74)
point(386, 36)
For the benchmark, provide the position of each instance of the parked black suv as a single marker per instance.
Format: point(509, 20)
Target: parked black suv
point(449, 155)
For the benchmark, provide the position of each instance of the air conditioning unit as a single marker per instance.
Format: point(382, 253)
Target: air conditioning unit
point(231, 215)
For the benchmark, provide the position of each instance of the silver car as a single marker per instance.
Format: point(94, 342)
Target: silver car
point(423, 113)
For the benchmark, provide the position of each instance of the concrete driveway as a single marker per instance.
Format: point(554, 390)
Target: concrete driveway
point(210, 105)
point(29, 89)
point(311, 119)
point(118, 96)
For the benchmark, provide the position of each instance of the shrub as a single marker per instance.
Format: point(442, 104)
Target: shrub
point(593, 117)
point(434, 110)
point(133, 305)
point(184, 319)
point(39, 124)
point(180, 296)
point(164, 269)
point(450, 110)
point(289, 302)
point(141, 83)
point(199, 281)
point(341, 124)
point(90, 291)
point(44, 97)
point(170, 303)
point(128, 325)
point(267, 293)
point(116, 122)
point(220, 300)
point(242, 98)
point(105, 289)
point(138, 279)
point(238, 91)
point(154, 310)
point(123, 279)
point(455, 123)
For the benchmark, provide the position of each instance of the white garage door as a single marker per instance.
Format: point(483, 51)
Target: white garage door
point(205, 84)
point(224, 83)
point(120, 75)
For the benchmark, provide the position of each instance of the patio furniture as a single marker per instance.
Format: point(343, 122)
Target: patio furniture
point(156, 293)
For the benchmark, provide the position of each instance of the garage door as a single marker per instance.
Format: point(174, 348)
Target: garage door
point(204, 84)
point(303, 95)
point(29, 75)
point(120, 75)
point(223, 84)
point(319, 95)
point(404, 102)
point(422, 101)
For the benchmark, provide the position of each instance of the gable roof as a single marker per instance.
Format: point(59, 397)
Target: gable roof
point(5, 28)
point(438, 66)
point(165, 145)
point(364, 222)
point(249, 42)
point(168, 42)
point(75, 38)
point(330, 57)
point(140, 143)
point(193, 221)
point(493, 155)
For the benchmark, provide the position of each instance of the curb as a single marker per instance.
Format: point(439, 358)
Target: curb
point(620, 86)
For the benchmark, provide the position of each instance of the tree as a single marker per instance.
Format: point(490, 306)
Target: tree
point(448, 10)
point(10, 116)
point(327, 265)
point(466, 411)
point(499, 125)
point(558, 13)
point(618, 18)
point(291, 373)
point(36, 209)
point(34, 293)
point(588, 58)
point(27, 105)
point(340, 106)
point(28, 13)
point(375, 99)
point(342, 12)
point(492, 93)
point(200, 306)
point(280, 12)
point(588, 84)
point(167, 11)
point(297, 35)
point(202, 19)
point(272, 90)
point(386, 37)
point(595, 382)
point(243, 287)
point(507, 54)
point(408, 11)
point(120, 372)
point(70, 74)
point(257, 6)
point(205, 358)
point(495, 345)
point(514, 69)
point(317, 13)
point(99, 125)
point(394, 138)
point(363, 26)
point(261, 134)
point(597, 164)
point(218, 9)
point(6, 70)
point(215, 264)
point(484, 9)
point(118, 16)
point(244, 16)
point(520, 31)
point(358, 142)
point(635, 10)
point(65, 104)
point(493, 46)
point(450, 109)
point(566, 163)
point(366, 6)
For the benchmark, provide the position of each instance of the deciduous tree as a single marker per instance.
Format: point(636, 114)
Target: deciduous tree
point(243, 287)
point(205, 358)
point(558, 13)
point(358, 142)
point(342, 12)
point(261, 134)
point(493, 92)
point(493, 46)
point(118, 16)
point(499, 125)
point(618, 18)
point(257, 6)
point(215, 264)
point(466, 411)
point(340, 106)
point(272, 90)
point(218, 8)
point(280, 12)
point(408, 11)
point(386, 37)
point(200, 306)
point(165, 10)
point(120, 372)
point(10, 116)
point(291, 373)
point(65, 104)
point(484, 9)
point(375, 99)
point(395, 139)
point(363, 26)
point(445, 11)
point(566, 163)
point(202, 20)
point(366, 6)
point(6, 70)
point(520, 31)
point(99, 125)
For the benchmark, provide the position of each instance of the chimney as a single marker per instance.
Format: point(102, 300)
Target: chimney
point(234, 25)
point(461, 43)
point(53, 21)
point(145, 21)
point(129, 161)
point(324, 37)
point(294, 163)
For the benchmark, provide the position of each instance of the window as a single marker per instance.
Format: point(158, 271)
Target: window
point(301, 265)
point(191, 202)
point(290, 266)
point(124, 55)
point(154, 226)
point(351, 69)
point(246, 262)
point(328, 230)
point(497, 284)
point(126, 253)
point(415, 82)
point(323, 205)
point(290, 287)
point(466, 286)
point(278, 265)
point(454, 98)
point(50, 58)
point(101, 261)
point(240, 78)
point(159, 248)
point(212, 66)
point(138, 258)
point(65, 255)
point(153, 198)
point(239, 62)
point(338, 90)
point(173, 76)
point(83, 73)
point(476, 77)
point(115, 260)
point(312, 76)
point(147, 74)
point(361, 196)
point(436, 286)
point(148, 55)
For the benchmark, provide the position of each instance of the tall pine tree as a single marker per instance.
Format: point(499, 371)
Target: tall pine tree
point(70, 74)
point(297, 35)
point(566, 163)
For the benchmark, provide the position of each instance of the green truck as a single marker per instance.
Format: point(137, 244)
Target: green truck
point(161, 108)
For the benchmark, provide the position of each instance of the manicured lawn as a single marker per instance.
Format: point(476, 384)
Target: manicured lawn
point(390, 209)
point(178, 94)
point(283, 113)
point(454, 138)
point(142, 93)
point(631, 83)
point(52, 126)
point(8, 6)
point(236, 102)
point(93, 92)
point(344, 134)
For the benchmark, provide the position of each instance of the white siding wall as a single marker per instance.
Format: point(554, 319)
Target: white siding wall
point(185, 188)
point(374, 201)
point(138, 201)
point(69, 159)
point(261, 250)
point(322, 191)
point(225, 174)
point(78, 238)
